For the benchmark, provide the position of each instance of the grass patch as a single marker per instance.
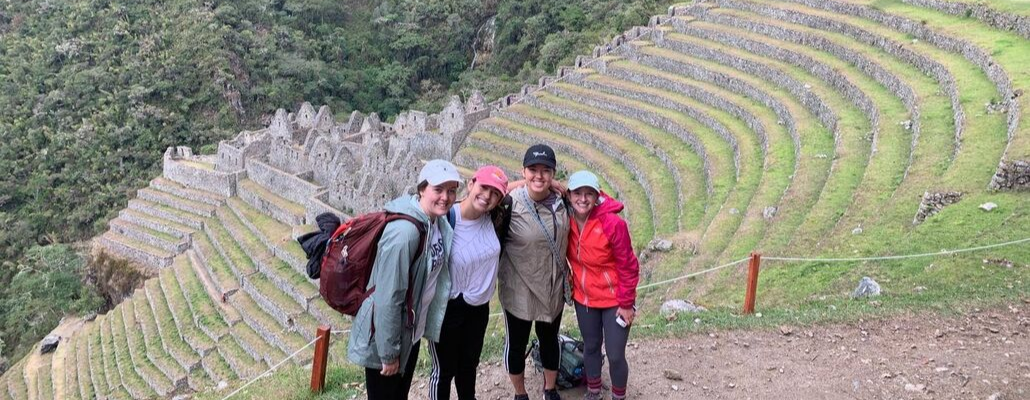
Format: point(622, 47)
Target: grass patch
point(664, 200)
point(815, 140)
point(640, 213)
point(691, 168)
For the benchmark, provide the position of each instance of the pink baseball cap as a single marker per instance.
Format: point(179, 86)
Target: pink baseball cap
point(492, 176)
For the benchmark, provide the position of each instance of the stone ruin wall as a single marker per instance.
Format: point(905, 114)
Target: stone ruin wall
point(309, 158)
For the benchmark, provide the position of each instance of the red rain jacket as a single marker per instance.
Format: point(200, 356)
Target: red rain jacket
point(605, 271)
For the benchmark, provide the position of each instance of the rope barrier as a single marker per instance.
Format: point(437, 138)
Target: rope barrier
point(881, 258)
point(713, 269)
point(690, 275)
point(274, 367)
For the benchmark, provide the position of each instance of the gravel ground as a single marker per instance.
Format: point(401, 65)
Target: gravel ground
point(984, 354)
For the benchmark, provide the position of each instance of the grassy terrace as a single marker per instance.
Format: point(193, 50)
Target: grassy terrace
point(888, 164)
point(165, 212)
point(177, 303)
point(152, 339)
point(169, 225)
point(933, 150)
point(243, 364)
point(176, 202)
point(270, 230)
point(178, 189)
point(119, 373)
point(262, 322)
point(126, 367)
point(66, 382)
point(221, 238)
point(205, 312)
point(136, 244)
point(217, 268)
point(91, 341)
point(247, 338)
point(785, 180)
point(137, 349)
point(852, 152)
point(274, 199)
point(655, 173)
point(640, 215)
point(84, 376)
point(216, 368)
point(167, 329)
point(817, 145)
point(695, 197)
point(723, 226)
point(167, 239)
point(1009, 50)
point(969, 171)
point(16, 382)
point(984, 140)
point(721, 172)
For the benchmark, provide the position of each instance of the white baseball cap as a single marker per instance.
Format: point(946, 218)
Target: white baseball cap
point(436, 172)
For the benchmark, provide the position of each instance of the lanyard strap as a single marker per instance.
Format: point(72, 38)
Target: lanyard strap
point(531, 205)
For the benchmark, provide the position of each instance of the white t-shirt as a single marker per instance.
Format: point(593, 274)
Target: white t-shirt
point(435, 266)
point(474, 256)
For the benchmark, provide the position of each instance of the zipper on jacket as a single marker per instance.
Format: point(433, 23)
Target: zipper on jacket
point(610, 287)
point(579, 256)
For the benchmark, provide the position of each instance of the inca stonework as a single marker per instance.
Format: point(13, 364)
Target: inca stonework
point(306, 157)
point(723, 127)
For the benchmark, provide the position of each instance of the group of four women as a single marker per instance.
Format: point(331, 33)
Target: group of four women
point(540, 243)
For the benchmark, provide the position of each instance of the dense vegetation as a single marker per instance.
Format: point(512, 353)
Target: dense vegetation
point(91, 91)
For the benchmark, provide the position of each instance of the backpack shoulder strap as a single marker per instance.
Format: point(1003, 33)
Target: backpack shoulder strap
point(452, 217)
point(501, 216)
point(409, 294)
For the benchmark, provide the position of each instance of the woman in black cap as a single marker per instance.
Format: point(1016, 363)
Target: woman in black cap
point(533, 273)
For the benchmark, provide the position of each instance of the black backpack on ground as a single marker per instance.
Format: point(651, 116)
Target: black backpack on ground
point(570, 363)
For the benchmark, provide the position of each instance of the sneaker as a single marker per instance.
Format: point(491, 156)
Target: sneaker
point(522, 397)
point(592, 395)
point(551, 394)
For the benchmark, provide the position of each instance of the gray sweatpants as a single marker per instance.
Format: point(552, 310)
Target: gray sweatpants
point(598, 325)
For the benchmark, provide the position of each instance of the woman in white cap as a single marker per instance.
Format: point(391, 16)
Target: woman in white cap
point(605, 273)
point(384, 335)
point(473, 268)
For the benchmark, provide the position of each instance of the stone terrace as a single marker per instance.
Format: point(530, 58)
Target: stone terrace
point(725, 126)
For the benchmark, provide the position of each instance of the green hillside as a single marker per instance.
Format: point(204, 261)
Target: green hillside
point(839, 139)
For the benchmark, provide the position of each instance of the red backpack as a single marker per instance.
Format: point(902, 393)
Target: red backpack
point(350, 255)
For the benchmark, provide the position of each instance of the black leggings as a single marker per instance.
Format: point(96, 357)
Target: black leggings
point(517, 338)
point(393, 387)
point(456, 356)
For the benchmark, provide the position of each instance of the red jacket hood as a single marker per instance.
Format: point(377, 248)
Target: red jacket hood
point(609, 205)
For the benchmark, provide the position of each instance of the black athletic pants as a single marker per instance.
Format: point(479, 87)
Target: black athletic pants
point(456, 356)
point(517, 338)
point(393, 387)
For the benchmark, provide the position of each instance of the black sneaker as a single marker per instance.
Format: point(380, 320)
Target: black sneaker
point(551, 394)
point(522, 397)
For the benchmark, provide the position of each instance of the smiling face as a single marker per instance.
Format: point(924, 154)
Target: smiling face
point(483, 198)
point(538, 178)
point(436, 200)
point(583, 200)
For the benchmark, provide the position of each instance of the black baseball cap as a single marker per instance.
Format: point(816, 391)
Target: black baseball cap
point(540, 154)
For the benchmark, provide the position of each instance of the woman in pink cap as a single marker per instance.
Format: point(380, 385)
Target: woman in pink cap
point(473, 270)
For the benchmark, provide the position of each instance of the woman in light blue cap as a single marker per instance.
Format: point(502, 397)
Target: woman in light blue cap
point(605, 273)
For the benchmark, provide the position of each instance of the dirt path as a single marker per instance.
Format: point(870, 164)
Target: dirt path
point(985, 354)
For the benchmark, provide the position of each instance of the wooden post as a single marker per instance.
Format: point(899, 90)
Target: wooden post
point(752, 283)
point(321, 361)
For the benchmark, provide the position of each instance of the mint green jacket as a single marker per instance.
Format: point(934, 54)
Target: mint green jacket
point(385, 308)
